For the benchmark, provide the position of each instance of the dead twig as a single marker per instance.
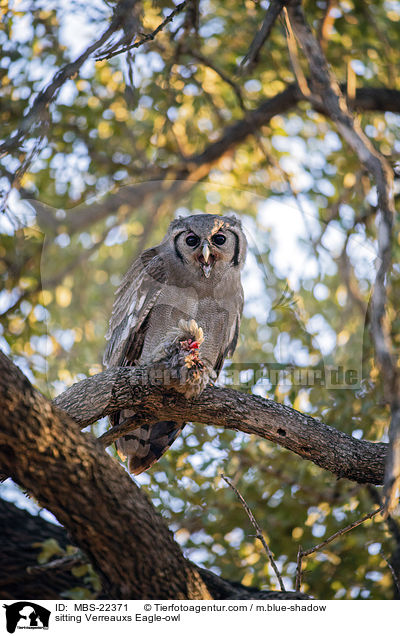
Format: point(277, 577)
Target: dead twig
point(394, 529)
point(258, 530)
point(146, 37)
point(396, 579)
point(304, 553)
point(63, 564)
point(298, 568)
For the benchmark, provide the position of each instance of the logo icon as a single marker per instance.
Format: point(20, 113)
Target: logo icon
point(26, 615)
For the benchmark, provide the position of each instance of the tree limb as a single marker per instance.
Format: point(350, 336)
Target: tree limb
point(259, 535)
point(107, 515)
point(262, 35)
point(304, 553)
point(127, 387)
point(21, 577)
point(146, 37)
point(21, 535)
point(326, 91)
point(47, 96)
point(196, 167)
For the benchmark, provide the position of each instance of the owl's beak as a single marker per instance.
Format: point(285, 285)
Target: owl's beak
point(206, 252)
point(206, 259)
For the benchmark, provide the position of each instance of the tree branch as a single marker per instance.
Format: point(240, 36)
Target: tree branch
point(147, 37)
point(326, 91)
point(259, 535)
point(127, 387)
point(271, 15)
point(22, 534)
point(196, 167)
point(47, 96)
point(304, 553)
point(107, 515)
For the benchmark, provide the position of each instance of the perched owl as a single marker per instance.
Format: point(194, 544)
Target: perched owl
point(190, 281)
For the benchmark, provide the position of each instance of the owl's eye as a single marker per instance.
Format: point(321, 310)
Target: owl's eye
point(218, 239)
point(192, 240)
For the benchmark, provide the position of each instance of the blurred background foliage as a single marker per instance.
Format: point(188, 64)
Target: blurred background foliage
point(132, 124)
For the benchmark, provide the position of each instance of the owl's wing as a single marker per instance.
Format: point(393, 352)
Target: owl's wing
point(135, 297)
point(228, 347)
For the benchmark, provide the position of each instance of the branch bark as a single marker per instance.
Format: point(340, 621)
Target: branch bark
point(262, 35)
point(20, 532)
point(107, 515)
point(124, 387)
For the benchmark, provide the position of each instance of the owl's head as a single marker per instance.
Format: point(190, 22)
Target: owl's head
point(208, 243)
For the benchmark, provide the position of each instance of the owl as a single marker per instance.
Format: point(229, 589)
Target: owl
point(190, 281)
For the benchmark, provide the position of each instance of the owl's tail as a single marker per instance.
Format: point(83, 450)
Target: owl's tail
point(146, 444)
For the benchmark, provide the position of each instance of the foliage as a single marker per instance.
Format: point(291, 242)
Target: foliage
point(308, 208)
point(50, 549)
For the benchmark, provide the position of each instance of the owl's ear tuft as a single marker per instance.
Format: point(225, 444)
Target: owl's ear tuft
point(177, 224)
point(233, 217)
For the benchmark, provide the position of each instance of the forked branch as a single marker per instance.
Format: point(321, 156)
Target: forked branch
point(304, 553)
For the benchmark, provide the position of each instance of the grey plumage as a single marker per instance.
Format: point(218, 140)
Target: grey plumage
point(193, 275)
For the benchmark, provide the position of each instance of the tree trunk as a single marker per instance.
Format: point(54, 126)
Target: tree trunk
point(107, 515)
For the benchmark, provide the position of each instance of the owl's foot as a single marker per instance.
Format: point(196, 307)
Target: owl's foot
point(184, 369)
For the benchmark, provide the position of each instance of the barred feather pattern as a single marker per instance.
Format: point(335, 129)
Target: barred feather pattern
point(145, 445)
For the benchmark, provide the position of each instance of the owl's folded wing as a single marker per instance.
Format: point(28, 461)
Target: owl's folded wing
point(135, 297)
point(228, 348)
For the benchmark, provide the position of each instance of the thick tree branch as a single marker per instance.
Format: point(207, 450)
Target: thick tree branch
point(118, 388)
point(107, 515)
point(21, 535)
point(326, 91)
point(176, 179)
point(197, 166)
